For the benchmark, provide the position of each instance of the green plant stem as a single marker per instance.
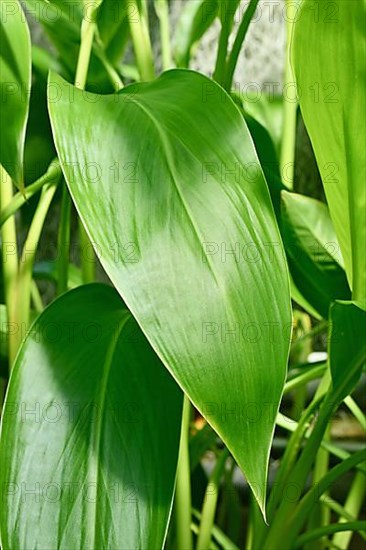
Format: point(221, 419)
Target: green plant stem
point(318, 329)
point(356, 411)
point(88, 28)
point(320, 515)
point(220, 66)
point(287, 159)
point(289, 458)
point(238, 42)
point(183, 504)
point(300, 471)
point(334, 506)
point(352, 506)
point(9, 258)
point(299, 515)
point(36, 297)
point(328, 530)
point(210, 502)
point(113, 75)
point(63, 242)
point(17, 201)
point(303, 378)
point(162, 11)
point(24, 283)
point(290, 425)
point(141, 40)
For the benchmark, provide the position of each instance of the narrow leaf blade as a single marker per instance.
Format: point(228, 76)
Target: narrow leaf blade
point(15, 81)
point(333, 102)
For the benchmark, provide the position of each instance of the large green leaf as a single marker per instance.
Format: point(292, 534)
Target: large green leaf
point(315, 259)
point(166, 180)
point(332, 101)
point(91, 424)
point(347, 346)
point(15, 81)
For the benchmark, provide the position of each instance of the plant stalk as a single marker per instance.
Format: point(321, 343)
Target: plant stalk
point(238, 42)
point(162, 11)
point(63, 242)
point(88, 29)
point(183, 504)
point(352, 506)
point(17, 201)
point(9, 259)
point(287, 158)
point(141, 40)
point(210, 502)
point(24, 284)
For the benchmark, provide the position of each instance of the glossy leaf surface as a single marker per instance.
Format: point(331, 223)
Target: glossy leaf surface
point(313, 251)
point(91, 424)
point(178, 188)
point(333, 103)
point(15, 80)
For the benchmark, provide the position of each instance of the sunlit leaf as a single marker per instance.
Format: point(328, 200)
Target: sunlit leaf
point(91, 425)
point(166, 180)
point(329, 58)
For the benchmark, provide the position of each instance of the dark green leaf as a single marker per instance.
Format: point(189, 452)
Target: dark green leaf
point(268, 158)
point(313, 251)
point(166, 180)
point(347, 346)
point(15, 81)
point(91, 425)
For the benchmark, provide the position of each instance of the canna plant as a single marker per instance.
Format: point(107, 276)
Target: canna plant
point(116, 393)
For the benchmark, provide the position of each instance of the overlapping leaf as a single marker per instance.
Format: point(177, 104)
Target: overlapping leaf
point(166, 180)
point(315, 258)
point(347, 346)
point(333, 103)
point(15, 80)
point(91, 425)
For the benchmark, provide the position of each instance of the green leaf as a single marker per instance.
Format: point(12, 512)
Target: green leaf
point(268, 158)
point(62, 22)
point(332, 101)
point(15, 81)
point(91, 424)
point(347, 346)
point(313, 252)
point(178, 187)
point(196, 17)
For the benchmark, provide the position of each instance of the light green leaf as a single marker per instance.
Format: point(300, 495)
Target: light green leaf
point(166, 180)
point(313, 252)
point(91, 425)
point(15, 81)
point(332, 100)
point(347, 346)
point(196, 17)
